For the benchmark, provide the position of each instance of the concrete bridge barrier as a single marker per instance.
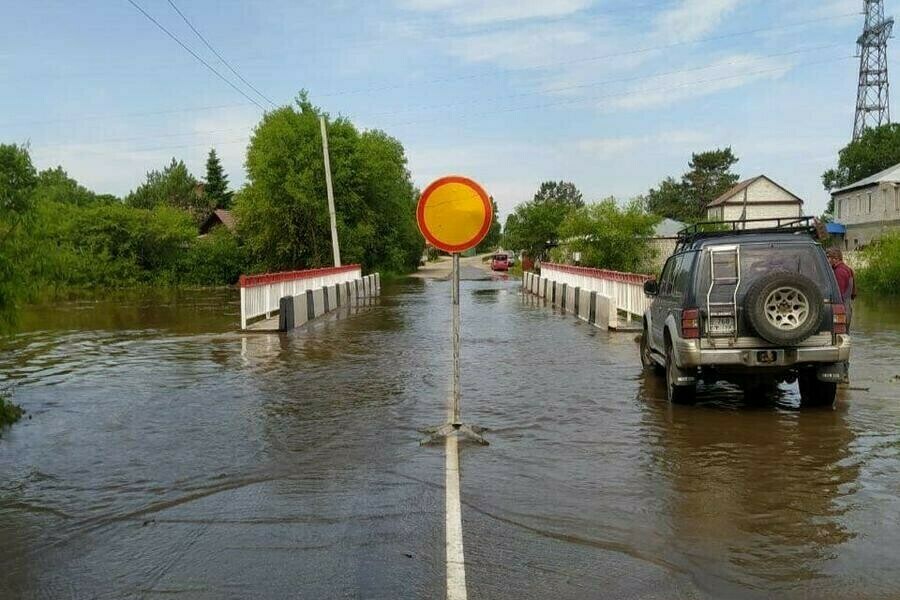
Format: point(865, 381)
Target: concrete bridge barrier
point(301, 296)
point(597, 296)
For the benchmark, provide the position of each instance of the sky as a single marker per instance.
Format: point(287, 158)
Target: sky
point(613, 95)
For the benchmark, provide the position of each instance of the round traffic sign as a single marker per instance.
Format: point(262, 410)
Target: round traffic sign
point(454, 213)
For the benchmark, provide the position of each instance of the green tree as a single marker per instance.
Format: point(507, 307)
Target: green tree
point(876, 149)
point(494, 235)
point(216, 188)
point(562, 193)
point(18, 180)
point(708, 177)
point(534, 226)
point(55, 185)
point(669, 199)
point(609, 237)
point(173, 186)
point(283, 213)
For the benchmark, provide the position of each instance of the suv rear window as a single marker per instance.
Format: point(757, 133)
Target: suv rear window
point(760, 259)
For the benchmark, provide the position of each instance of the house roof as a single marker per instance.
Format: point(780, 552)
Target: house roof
point(220, 215)
point(889, 175)
point(740, 187)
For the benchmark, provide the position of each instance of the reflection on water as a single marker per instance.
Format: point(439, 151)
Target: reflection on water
point(777, 479)
point(168, 453)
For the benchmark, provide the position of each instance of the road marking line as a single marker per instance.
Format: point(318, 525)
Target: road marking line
point(456, 568)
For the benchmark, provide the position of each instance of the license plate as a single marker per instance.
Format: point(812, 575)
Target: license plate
point(721, 325)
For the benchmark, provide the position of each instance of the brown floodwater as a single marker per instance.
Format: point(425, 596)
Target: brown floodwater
point(167, 455)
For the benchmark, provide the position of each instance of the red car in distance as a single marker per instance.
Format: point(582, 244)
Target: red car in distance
point(500, 262)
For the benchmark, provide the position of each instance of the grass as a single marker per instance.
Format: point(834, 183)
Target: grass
point(881, 274)
point(9, 412)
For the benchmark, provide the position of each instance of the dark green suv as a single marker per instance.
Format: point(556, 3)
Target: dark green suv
point(755, 307)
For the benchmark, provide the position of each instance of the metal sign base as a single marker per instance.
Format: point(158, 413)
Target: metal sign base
point(453, 425)
point(462, 430)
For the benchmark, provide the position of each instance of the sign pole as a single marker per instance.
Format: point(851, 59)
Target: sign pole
point(454, 423)
point(454, 338)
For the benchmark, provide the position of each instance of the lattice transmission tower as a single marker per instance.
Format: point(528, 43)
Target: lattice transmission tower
point(872, 100)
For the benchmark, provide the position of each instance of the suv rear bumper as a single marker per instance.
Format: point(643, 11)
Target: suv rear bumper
point(688, 354)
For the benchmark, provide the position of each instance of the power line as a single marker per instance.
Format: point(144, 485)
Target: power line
point(167, 111)
point(595, 58)
point(432, 82)
point(571, 101)
point(195, 55)
point(166, 148)
point(750, 59)
point(747, 59)
point(514, 108)
point(219, 56)
point(142, 138)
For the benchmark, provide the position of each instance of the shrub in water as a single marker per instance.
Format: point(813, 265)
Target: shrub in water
point(882, 271)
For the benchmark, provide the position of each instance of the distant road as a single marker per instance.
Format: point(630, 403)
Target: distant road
point(471, 268)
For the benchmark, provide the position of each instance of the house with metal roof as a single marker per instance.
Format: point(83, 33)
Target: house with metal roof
point(869, 207)
point(757, 198)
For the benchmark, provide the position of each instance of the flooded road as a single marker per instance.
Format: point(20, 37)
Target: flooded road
point(168, 456)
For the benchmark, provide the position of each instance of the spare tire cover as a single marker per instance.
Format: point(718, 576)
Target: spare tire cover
point(784, 308)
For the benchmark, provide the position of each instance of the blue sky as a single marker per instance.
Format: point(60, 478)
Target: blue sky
point(611, 94)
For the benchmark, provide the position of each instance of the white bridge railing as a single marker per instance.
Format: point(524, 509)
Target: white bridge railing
point(625, 290)
point(260, 294)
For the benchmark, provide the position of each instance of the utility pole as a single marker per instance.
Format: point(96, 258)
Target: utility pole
point(335, 247)
point(873, 107)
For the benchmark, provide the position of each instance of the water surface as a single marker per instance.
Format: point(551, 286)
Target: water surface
point(168, 455)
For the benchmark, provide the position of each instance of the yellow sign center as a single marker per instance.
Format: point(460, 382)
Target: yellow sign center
point(454, 213)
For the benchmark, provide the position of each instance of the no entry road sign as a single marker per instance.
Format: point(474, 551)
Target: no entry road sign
point(454, 214)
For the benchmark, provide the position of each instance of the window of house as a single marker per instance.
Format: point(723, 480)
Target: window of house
point(869, 203)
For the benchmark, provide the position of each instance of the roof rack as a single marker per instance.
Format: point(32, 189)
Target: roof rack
point(708, 229)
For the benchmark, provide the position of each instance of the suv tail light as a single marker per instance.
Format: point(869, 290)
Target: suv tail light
point(690, 323)
point(839, 318)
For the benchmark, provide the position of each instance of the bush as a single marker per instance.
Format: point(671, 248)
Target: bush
point(882, 271)
point(216, 259)
point(9, 412)
point(609, 237)
point(105, 245)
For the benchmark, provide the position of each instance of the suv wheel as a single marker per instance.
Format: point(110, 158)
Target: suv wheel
point(646, 354)
point(677, 394)
point(814, 392)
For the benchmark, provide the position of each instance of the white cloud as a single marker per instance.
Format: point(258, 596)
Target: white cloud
point(693, 18)
point(477, 12)
point(670, 141)
point(523, 48)
point(726, 73)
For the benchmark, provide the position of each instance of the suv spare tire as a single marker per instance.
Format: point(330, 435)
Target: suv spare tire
point(784, 308)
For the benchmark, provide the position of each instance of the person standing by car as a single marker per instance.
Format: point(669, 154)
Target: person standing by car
point(846, 280)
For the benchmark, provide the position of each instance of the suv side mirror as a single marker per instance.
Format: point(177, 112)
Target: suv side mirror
point(651, 287)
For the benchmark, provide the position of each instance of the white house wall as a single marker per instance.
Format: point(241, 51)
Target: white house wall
point(765, 200)
point(868, 213)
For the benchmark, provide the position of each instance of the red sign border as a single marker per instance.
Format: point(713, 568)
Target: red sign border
point(485, 227)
